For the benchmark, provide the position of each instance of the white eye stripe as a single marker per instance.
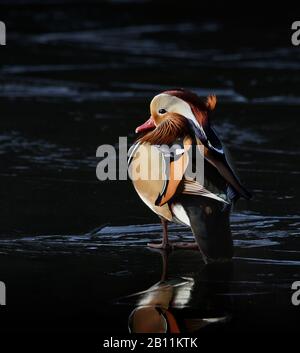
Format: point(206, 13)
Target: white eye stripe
point(174, 104)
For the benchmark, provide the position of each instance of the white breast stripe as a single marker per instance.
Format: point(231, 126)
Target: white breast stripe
point(179, 151)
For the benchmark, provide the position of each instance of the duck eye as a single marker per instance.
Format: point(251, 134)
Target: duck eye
point(162, 111)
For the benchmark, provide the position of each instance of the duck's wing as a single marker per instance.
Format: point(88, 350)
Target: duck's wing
point(218, 156)
point(223, 167)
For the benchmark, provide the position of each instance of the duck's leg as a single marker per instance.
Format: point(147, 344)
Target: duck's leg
point(165, 242)
point(165, 257)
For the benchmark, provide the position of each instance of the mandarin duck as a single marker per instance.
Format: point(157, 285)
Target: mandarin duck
point(176, 136)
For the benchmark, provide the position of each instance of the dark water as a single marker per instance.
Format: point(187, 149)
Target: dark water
point(73, 77)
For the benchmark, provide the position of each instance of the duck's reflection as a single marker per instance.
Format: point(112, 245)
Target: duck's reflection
point(166, 306)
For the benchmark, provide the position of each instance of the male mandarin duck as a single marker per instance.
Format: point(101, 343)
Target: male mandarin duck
point(181, 118)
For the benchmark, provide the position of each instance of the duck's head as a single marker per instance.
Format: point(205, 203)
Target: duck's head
point(175, 113)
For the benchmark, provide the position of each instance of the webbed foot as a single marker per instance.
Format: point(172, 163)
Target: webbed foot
point(162, 246)
point(175, 245)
